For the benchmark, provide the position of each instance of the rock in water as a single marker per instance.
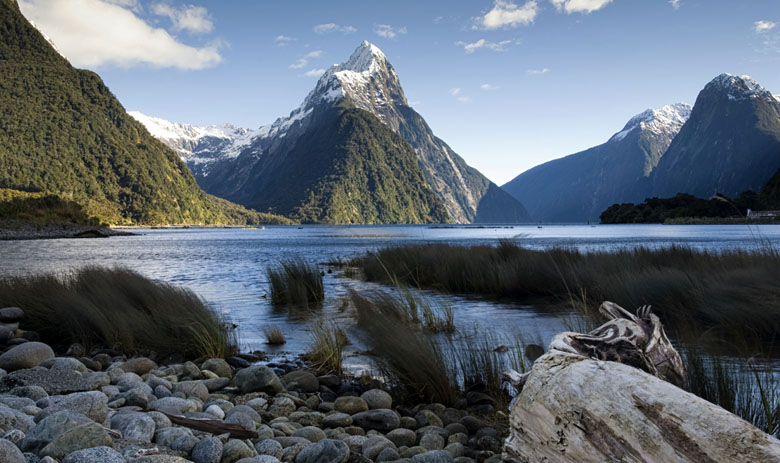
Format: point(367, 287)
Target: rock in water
point(576, 409)
point(27, 355)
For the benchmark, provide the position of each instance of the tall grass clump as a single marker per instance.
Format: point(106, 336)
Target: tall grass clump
point(274, 335)
point(328, 342)
point(731, 292)
point(414, 365)
point(119, 308)
point(747, 388)
point(296, 282)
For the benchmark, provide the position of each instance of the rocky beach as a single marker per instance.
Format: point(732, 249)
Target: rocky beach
point(103, 406)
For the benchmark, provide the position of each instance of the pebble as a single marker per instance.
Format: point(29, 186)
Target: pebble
point(377, 398)
point(10, 453)
point(208, 450)
point(350, 405)
point(27, 355)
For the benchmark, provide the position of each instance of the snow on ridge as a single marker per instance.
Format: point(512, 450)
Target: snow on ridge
point(665, 119)
point(740, 87)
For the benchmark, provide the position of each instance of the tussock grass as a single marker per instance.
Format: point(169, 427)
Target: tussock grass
point(117, 307)
point(734, 292)
point(746, 388)
point(328, 342)
point(296, 282)
point(274, 335)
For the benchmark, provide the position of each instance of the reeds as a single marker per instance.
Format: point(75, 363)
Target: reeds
point(117, 307)
point(296, 282)
point(328, 342)
point(274, 335)
point(731, 291)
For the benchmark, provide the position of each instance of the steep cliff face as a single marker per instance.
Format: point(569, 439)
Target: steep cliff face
point(730, 144)
point(578, 187)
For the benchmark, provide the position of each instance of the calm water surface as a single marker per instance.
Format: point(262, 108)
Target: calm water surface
point(227, 266)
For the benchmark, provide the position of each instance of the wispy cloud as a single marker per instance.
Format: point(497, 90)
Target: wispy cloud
point(458, 94)
point(537, 72)
point(489, 87)
point(190, 18)
point(93, 33)
point(675, 4)
point(763, 26)
point(585, 6)
point(333, 27)
point(507, 14)
point(470, 48)
point(304, 60)
point(282, 40)
point(314, 72)
point(455, 91)
point(387, 31)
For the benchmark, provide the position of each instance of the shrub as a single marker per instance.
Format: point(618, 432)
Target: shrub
point(328, 342)
point(274, 335)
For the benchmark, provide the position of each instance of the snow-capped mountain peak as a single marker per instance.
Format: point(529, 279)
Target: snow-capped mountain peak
point(739, 87)
point(666, 120)
point(366, 58)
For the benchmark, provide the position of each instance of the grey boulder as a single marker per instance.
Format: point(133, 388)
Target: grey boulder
point(258, 378)
point(134, 426)
point(324, 451)
point(27, 355)
point(95, 455)
point(10, 453)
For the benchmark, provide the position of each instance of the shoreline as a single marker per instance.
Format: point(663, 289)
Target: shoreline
point(16, 230)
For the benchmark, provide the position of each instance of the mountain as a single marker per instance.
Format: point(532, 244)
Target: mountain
point(578, 187)
point(730, 144)
point(62, 131)
point(366, 82)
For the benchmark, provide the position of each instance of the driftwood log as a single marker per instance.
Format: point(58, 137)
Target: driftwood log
point(578, 404)
point(212, 426)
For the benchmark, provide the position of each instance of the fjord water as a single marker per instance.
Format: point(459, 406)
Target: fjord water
point(227, 267)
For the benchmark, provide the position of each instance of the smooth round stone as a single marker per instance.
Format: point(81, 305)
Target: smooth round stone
point(166, 436)
point(243, 409)
point(192, 389)
point(235, 449)
point(216, 411)
point(174, 404)
point(270, 447)
point(134, 426)
point(81, 437)
point(10, 453)
point(160, 421)
point(65, 363)
point(432, 441)
point(11, 314)
point(325, 450)
point(184, 444)
point(49, 428)
point(258, 378)
point(301, 380)
point(281, 406)
point(337, 420)
point(35, 393)
point(14, 435)
point(402, 437)
point(138, 365)
point(381, 420)
point(311, 433)
point(458, 437)
point(434, 456)
point(428, 418)
point(388, 454)
point(27, 355)
point(374, 445)
point(242, 419)
point(490, 443)
point(95, 455)
point(455, 428)
point(408, 422)
point(208, 450)
point(350, 405)
point(92, 404)
point(472, 424)
point(456, 449)
point(219, 366)
point(377, 398)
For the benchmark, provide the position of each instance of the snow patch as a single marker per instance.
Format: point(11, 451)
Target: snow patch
point(668, 119)
point(740, 88)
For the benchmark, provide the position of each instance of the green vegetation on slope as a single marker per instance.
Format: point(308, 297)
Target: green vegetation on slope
point(41, 208)
point(350, 168)
point(62, 131)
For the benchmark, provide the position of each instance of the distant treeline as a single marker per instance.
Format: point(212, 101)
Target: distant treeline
point(684, 207)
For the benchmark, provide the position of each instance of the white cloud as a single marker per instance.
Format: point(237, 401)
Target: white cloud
point(455, 91)
point(489, 87)
point(332, 27)
point(763, 26)
point(282, 40)
point(583, 6)
point(190, 18)
point(675, 4)
point(94, 33)
point(387, 31)
point(304, 61)
point(507, 14)
point(314, 72)
point(464, 99)
point(537, 72)
point(482, 43)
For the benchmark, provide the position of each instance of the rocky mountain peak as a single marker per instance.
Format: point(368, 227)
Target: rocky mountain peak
point(737, 88)
point(666, 120)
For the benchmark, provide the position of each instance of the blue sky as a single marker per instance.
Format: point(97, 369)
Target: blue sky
point(508, 84)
